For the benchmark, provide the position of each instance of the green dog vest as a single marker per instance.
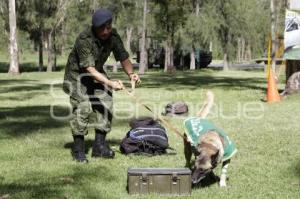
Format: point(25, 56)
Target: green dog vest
point(195, 128)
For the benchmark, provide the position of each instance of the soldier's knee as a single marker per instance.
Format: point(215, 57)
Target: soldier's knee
point(80, 119)
point(84, 108)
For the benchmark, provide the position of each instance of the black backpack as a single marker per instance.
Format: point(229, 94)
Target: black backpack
point(146, 136)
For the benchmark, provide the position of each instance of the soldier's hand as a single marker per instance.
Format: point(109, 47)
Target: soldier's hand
point(135, 77)
point(117, 85)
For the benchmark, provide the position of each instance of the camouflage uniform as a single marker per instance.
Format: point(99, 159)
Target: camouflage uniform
point(91, 101)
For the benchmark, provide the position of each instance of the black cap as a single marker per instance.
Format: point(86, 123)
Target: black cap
point(100, 17)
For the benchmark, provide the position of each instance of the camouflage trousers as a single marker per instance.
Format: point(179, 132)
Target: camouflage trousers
point(92, 112)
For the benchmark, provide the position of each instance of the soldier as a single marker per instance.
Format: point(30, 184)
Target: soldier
point(89, 87)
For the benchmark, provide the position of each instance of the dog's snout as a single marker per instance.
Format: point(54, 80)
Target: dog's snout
point(196, 177)
point(195, 181)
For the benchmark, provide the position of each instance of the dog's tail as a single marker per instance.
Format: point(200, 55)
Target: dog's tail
point(209, 101)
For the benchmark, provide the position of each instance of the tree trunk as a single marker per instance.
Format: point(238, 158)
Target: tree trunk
point(95, 5)
point(182, 62)
point(166, 56)
point(273, 34)
point(128, 38)
point(193, 63)
point(146, 59)
point(54, 51)
point(192, 55)
point(50, 52)
point(197, 8)
point(238, 54)
point(143, 53)
point(171, 59)
point(226, 49)
point(64, 38)
point(169, 55)
point(14, 62)
point(242, 49)
point(41, 46)
point(143, 60)
point(249, 54)
point(225, 62)
point(54, 61)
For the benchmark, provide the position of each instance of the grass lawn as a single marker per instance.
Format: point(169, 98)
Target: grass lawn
point(35, 160)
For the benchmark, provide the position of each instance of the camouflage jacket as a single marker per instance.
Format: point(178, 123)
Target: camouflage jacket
point(90, 51)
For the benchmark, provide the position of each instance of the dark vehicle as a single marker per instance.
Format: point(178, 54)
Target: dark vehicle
point(156, 58)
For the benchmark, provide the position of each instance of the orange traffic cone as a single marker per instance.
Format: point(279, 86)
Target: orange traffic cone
point(272, 93)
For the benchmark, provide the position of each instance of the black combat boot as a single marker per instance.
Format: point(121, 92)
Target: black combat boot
point(100, 147)
point(79, 149)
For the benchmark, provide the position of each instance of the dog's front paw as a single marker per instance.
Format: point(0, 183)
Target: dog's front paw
point(222, 183)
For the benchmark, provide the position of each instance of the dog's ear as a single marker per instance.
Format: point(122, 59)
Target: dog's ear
point(214, 159)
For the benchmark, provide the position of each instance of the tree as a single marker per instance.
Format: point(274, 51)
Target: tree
point(250, 38)
point(175, 25)
point(53, 25)
point(277, 13)
point(194, 15)
point(238, 21)
point(169, 17)
point(32, 18)
point(199, 28)
point(42, 20)
point(14, 63)
point(192, 57)
point(143, 53)
point(224, 31)
point(273, 6)
point(4, 40)
point(128, 19)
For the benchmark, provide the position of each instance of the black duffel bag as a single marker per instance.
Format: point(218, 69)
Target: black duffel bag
point(146, 136)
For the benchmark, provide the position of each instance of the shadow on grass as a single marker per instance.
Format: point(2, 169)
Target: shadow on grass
point(27, 88)
point(23, 97)
point(190, 81)
point(7, 82)
point(21, 90)
point(297, 169)
point(27, 67)
point(40, 185)
point(41, 190)
point(20, 121)
point(12, 86)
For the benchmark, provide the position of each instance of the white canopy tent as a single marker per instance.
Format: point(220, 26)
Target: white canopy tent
point(292, 31)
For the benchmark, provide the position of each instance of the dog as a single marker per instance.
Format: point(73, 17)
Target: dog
point(210, 145)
